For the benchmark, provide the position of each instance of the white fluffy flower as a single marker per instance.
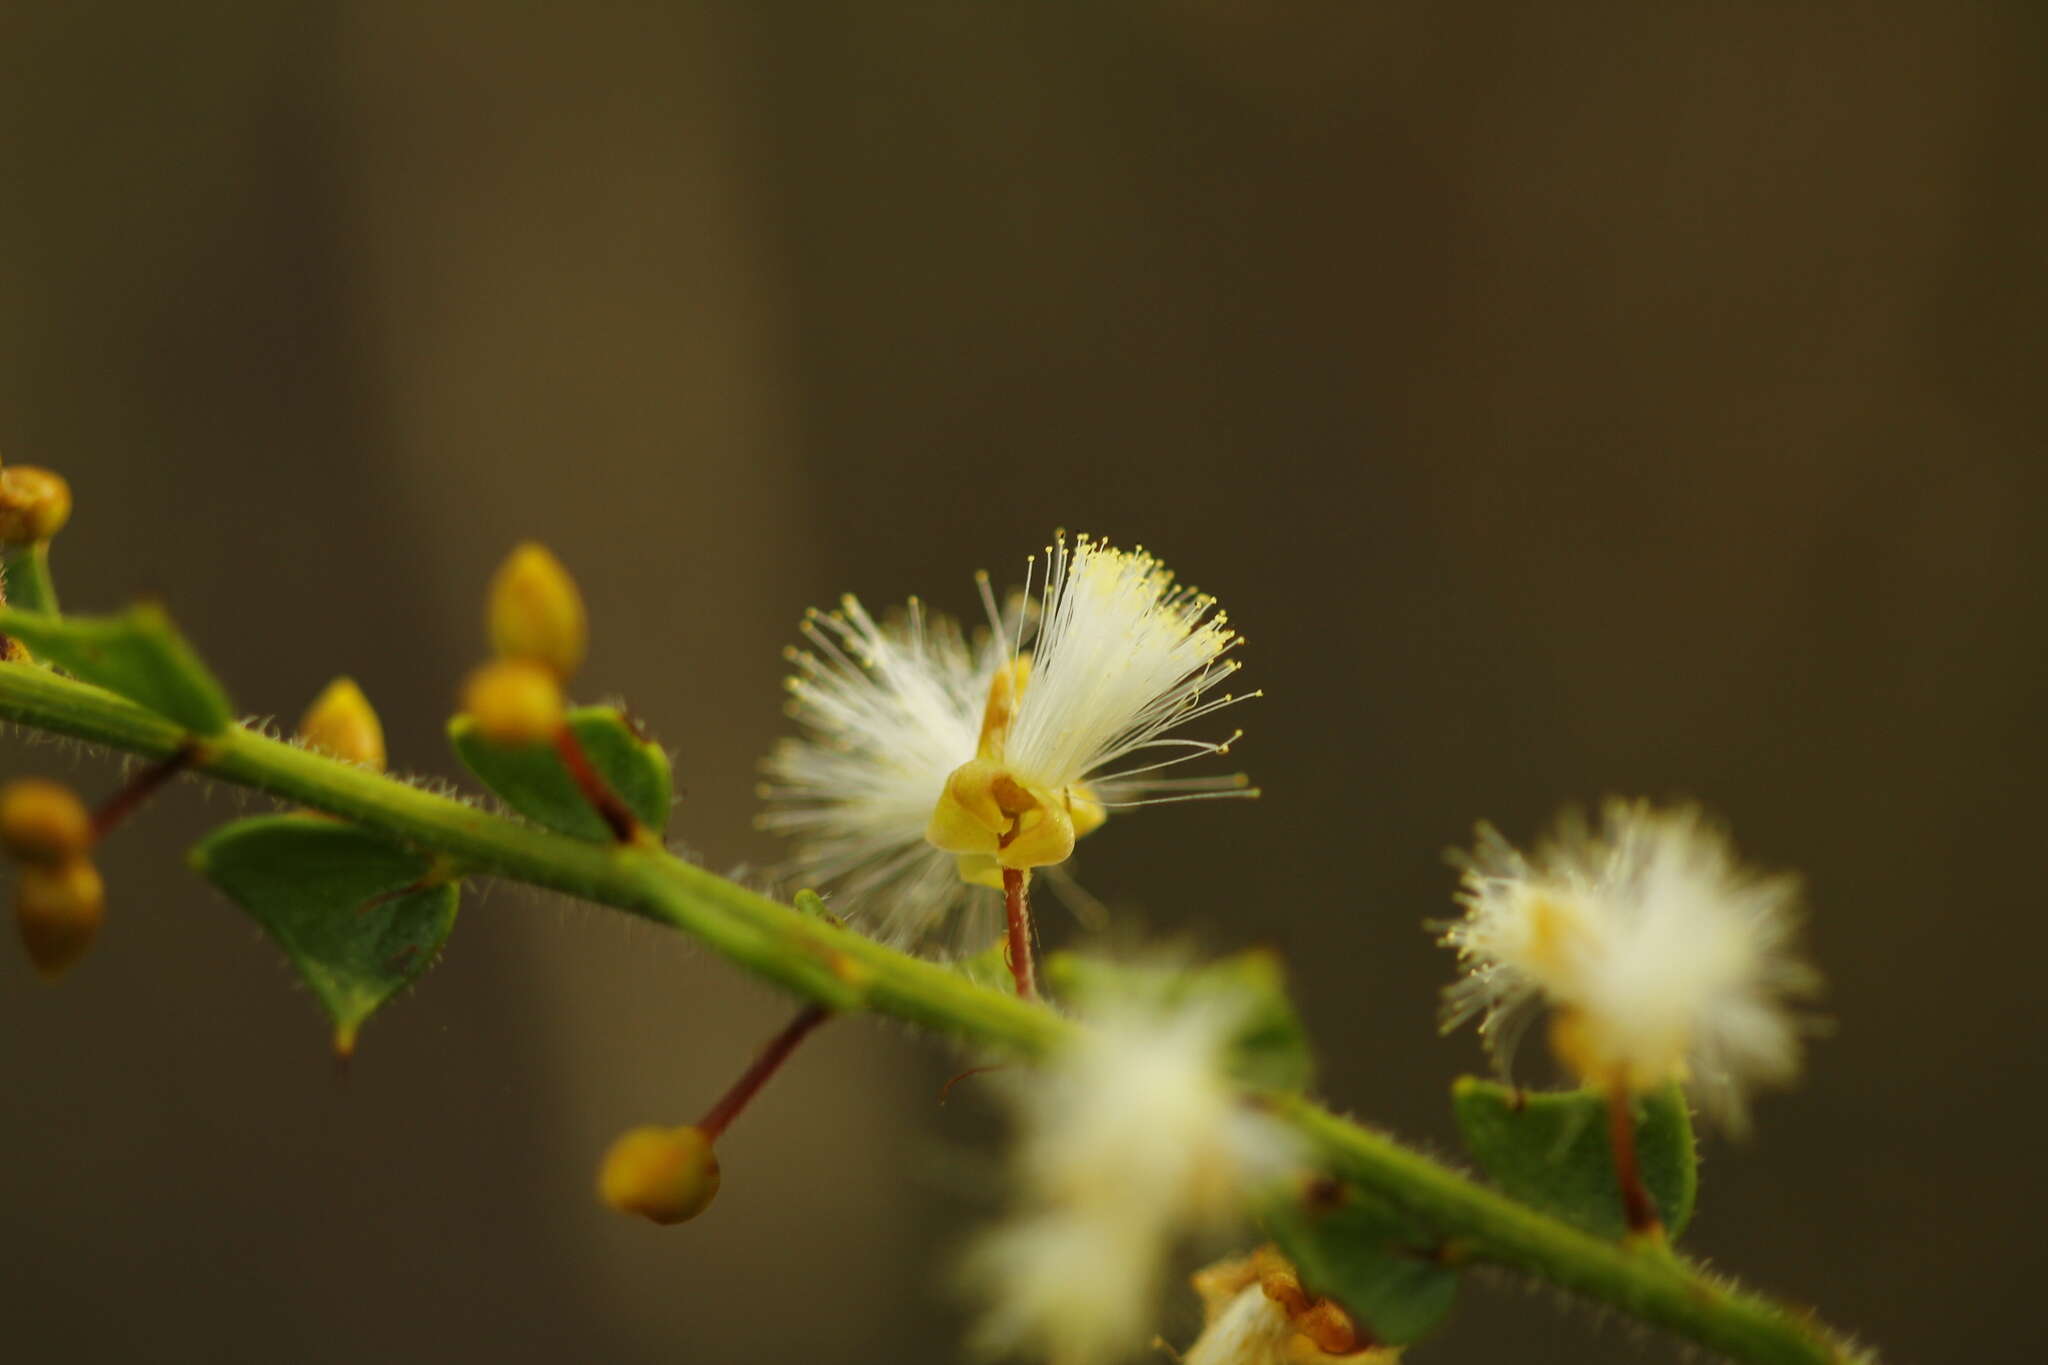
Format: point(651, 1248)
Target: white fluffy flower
point(1129, 1141)
point(890, 711)
point(1662, 956)
point(928, 764)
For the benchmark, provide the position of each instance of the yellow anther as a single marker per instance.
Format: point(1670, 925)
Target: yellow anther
point(536, 613)
point(514, 701)
point(58, 910)
point(665, 1175)
point(43, 822)
point(34, 504)
point(342, 722)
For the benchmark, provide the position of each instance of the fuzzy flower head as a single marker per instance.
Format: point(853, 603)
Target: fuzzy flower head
point(1129, 1141)
point(1079, 725)
point(929, 763)
point(888, 711)
point(1662, 957)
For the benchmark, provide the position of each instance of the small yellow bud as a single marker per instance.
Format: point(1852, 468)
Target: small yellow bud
point(514, 701)
point(43, 822)
point(34, 504)
point(536, 612)
point(58, 910)
point(666, 1175)
point(342, 722)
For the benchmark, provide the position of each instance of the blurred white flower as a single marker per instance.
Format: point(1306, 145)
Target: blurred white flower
point(928, 763)
point(1661, 955)
point(1129, 1142)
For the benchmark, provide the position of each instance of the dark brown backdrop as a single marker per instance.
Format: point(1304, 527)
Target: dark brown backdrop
point(1629, 400)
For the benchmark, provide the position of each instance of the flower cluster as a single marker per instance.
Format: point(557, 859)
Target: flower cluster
point(1129, 1142)
point(929, 763)
point(1663, 958)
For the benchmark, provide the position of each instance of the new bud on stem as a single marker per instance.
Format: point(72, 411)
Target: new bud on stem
point(536, 613)
point(515, 701)
point(43, 822)
point(34, 504)
point(58, 910)
point(342, 722)
point(665, 1175)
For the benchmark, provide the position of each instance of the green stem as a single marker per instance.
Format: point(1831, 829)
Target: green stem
point(1645, 1280)
point(25, 569)
point(844, 971)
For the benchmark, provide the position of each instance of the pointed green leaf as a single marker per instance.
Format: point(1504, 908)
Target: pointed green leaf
point(137, 654)
point(353, 911)
point(1268, 1048)
point(1349, 1247)
point(1551, 1150)
point(532, 780)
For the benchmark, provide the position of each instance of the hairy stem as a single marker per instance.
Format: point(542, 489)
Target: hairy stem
point(1017, 941)
point(1636, 1204)
point(729, 1106)
point(841, 971)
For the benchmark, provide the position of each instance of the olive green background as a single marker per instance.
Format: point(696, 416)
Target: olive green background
point(1564, 400)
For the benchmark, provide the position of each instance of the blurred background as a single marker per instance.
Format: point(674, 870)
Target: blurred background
point(1633, 399)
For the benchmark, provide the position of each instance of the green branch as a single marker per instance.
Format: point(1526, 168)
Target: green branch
point(844, 971)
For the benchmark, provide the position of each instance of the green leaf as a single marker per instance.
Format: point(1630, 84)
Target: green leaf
point(990, 967)
point(1268, 1047)
point(1352, 1248)
point(355, 913)
point(137, 654)
point(1551, 1150)
point(532, 780)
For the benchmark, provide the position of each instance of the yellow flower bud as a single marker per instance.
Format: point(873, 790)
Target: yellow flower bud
point(58, 910)
point(43, 822)
point(342, 722)
point(34, 504)
point(514, 701)
point(666, 1175)
point(536, 612)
